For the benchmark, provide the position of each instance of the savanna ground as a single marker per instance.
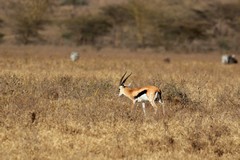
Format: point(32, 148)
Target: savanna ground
point(52, 108)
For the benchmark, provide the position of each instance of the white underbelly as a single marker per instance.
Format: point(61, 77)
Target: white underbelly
point(142, 98)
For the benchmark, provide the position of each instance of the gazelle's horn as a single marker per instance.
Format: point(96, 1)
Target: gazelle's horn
point(126, 78)
point(122, 78)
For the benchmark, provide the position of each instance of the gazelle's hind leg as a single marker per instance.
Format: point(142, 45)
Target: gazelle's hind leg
point(143, 107)
point(159, 98)
point(161, 102)
point(154, 106)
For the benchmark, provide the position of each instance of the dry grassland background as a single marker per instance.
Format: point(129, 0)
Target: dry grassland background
point(52, 108)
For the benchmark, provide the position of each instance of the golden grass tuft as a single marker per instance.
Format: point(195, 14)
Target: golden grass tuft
point(52, 108)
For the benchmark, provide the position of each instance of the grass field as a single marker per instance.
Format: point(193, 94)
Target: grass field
point(52, 108)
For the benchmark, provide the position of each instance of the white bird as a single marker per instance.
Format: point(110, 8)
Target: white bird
point(74, 56)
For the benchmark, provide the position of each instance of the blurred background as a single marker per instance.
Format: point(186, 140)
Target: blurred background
point(162, 25)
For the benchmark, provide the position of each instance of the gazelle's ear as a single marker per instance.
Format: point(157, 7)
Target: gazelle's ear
point(129, 85)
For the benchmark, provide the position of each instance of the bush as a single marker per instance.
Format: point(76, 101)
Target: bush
point(174, 94)
point(171, 25)
point(142, 16)
point(1, 22)
point(1, 34)
point(118, 14)
point(74, 2)
point(223, 44)
point(228, 11)
point(130, 23)
point(86, 29)
point(144, 26)
point(29, 17)
point(1, 37)
point(188, 30)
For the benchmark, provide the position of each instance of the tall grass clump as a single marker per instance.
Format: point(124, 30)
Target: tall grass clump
point(175, 94)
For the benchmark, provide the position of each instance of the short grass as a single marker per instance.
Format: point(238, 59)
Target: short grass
point(52, 108)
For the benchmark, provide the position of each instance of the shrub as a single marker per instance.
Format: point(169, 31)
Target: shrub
point(86, 29)
point(223, 44)
point(1, 37)
point(174, 94)
point(130, 23)
point(228, 11)
point(177, 26)
point(188, 30)
point(29, 17)
point(118, 14)
point(142, 22)
point(1, 22)
point(120, 17)
point(1, 34)
point(74, 2)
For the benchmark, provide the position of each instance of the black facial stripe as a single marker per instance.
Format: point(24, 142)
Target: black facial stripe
point(140, 94)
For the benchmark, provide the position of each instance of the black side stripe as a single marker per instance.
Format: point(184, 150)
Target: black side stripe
point(140, 94)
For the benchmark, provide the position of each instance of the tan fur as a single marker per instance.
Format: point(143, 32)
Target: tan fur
point(149, 95)
point(151, 92)
point(131, 92)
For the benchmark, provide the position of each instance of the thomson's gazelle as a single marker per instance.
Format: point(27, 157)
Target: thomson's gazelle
point(144, 94)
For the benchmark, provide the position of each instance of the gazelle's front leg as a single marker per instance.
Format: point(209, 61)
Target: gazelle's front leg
point(163, 109)
point(133, 106)
point(154, 106)
point(143, 107)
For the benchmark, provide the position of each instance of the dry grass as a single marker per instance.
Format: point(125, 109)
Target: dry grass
point(52, 108)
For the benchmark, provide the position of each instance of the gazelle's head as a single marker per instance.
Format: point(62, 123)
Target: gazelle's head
point(122, 85)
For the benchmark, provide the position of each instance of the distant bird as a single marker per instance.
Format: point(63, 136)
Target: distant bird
point(229, 59)
point(74, 56)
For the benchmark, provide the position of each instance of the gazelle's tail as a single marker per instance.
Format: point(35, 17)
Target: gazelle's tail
point(159, 96)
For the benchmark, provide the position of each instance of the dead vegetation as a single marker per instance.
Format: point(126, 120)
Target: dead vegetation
point(53, 108)
point(179, 26)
